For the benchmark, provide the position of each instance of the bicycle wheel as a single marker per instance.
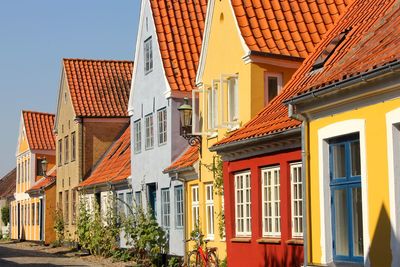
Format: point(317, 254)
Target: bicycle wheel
point(212, 259)
point(194, 259)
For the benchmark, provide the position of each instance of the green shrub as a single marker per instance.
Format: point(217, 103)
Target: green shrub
point(5, 215)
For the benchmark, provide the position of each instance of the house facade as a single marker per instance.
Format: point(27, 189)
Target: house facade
point(107, 188)
point(91, 114)
point(7, 189)
point(235, 82)
point(36, 142)
point(348, 99)
point(167, 53)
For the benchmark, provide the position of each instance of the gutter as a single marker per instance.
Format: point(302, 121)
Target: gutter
point(304, 174)
point(252, 141)
point(278, 56)
point(363, 77)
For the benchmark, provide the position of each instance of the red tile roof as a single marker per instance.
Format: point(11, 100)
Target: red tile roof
point(99, 88)
point(180, 26)
point(7, 184)
point(185, 160)
point(39, 130)
point(372, 41)
point(115, 166)
point(286, 27)
point(45, 182)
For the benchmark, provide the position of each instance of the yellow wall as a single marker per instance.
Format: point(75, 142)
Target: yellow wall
point(224, 56)
point(377, 179)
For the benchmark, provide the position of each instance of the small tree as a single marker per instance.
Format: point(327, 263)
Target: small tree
point(59, 226)
point(5, 215)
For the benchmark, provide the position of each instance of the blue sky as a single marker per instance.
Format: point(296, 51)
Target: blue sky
point(36, 35)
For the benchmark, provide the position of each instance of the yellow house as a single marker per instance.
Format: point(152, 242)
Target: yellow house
point(36, 142)
point(347, 95)
point(249, 52)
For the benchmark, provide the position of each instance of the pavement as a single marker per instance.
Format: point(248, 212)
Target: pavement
point(16, 254)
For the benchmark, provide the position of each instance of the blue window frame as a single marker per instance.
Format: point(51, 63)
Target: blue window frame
point(346, 201)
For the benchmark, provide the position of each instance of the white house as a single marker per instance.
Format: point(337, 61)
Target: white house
point(167, 53)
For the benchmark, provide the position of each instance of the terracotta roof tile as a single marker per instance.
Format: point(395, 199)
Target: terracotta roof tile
point(279, 18)
point(99, 88)
point(115, 165)
point(7, 184)
point(44, 182)
point(189, 157)
point(39, 130)
point(179, 26)
point(372, 42)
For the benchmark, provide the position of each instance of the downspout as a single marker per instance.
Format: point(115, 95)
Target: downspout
point(304, 142)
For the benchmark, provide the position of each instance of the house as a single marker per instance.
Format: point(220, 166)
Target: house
point(36, 143)
point(108, 184)
point(167, 54)
point(7, 190)
point(45, 189)
point(250, 51)
point(91, 114)
point(347, 97)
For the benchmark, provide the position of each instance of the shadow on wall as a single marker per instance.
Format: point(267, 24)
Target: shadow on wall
point(292, 255)
point(380, 253)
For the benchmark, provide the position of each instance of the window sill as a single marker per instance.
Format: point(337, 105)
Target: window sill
point(233, 128)
point(241, 240)
point(269, 241)
point(212, 135)
point(295, 242)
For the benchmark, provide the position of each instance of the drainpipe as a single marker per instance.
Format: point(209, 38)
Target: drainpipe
point(304, 135)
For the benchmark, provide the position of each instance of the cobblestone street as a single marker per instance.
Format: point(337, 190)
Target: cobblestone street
point(29, 254)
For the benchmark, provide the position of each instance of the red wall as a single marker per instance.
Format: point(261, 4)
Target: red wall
point(253, 253)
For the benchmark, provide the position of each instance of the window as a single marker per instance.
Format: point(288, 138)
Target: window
point(233, 97)
point(129, 202)
point(73, 206)
point(66, 208)
point(179, 206)
point(137, 129)
point(162, 126)
point(73, 146)
point(120, 204)
point(39, 170)
point(271, 201)
point(148, 56)
point(28, 214)
point(296, 184)
point(138, 199)
point(210, 211)
point(195, 206)
point(32, 213)
point(66, 147)
point(345, 185)
point(212, 106)
point(149, 131)
point(272, 86)
point(60, 152)
point(242, 204)
point(60, 200)
point(38, 213)
point(165, 207)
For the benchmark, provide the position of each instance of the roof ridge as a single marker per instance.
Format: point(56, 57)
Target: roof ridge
point(38, 112)
point(98, 60)
point(8, 174)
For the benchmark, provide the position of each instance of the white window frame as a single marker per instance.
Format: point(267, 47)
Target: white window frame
point(198, 124)
point(162, 126)
point(271, 226)
point(210, 211)
point(212, 107)
point(137, 132)
point(148, 55)
point(266, 89)
point(138, 199)
point(149, 128)
point(165, 208)
point(225, 95)
point(245, 218)
point(296, 185)
point(195, 206)
point(179, 206)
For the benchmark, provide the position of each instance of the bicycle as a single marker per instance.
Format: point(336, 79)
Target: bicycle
point(200, 258)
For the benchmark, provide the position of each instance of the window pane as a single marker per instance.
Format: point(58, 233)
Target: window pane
point(341, 223)
point(339, 161)
point(355, 158)
point(357, 222)
point(272, 87)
